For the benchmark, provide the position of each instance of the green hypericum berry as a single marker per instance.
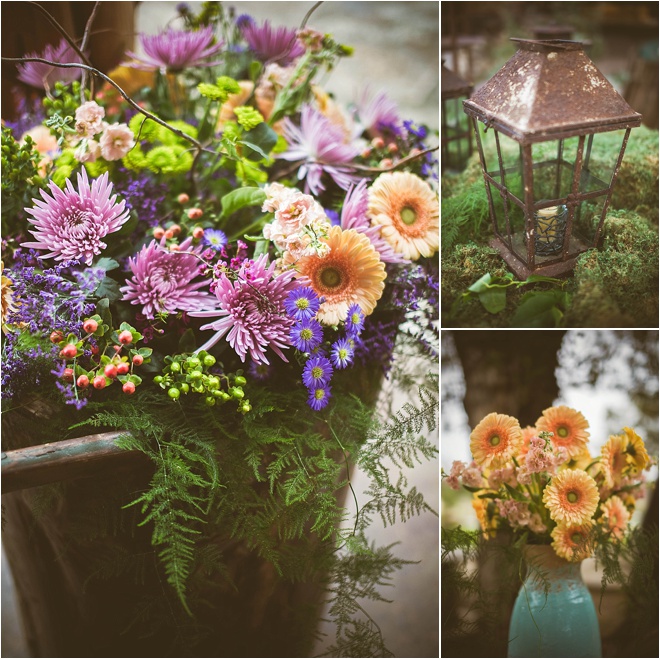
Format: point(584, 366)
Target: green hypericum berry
point(209, 360)
point(210, 401)
point(175, 367)
point(237, 392)
point(195, 375)
point(185, 387)
point(173, 393)
point(193, 362)
point(240, 380)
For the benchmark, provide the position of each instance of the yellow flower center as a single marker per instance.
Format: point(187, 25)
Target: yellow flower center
point(572, 497)
point(495, 440)
point(331, 277)
point(562, 431)
point(306, 334)
point(317, 372)
point(408, 215)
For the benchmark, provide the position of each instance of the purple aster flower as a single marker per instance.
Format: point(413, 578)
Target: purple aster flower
point(319, 397)
point(379, 113)
point(342, 353)
point(271, 44)
point(214, 238)
point(354, 216)
point(243, 21)
point(162, 281)
point(44, 76)
point(317, 372)
point(259, 372)
point(307, 335)
point(320, 144)
point(252, 310)
point(302, 303)
point(71, 224)
point(174, 50)
point(354, 321)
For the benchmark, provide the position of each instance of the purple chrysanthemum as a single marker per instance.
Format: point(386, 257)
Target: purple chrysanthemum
point(44, 76)
point(252, 311)
point(302, 303)
point(317, 372)
point(175, 50)
point(342, 353)
point(378, 113)
point(307, 335)
point(71, 224)
point(162, 280)
point(319, 397)
point(354, 321)
point(320, 145)
point(354, 216)
point(270, 44)
point(214, 238)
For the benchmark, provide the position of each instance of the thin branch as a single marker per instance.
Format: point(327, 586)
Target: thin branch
point(62, 31)
point(397, 164)
point(83, 45)
point(126, 97)
point(309, 13)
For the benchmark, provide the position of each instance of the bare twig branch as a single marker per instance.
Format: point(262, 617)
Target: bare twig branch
point(309, 13)
point(83, 45)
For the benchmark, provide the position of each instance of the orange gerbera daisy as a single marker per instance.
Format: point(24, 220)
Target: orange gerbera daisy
point(407, 210)
point(615, 516)
point(572, 541)
point(351, 273)
point(495, 440)
point(614, 460)
point(579, 461)
point(568, 428)
point(571, 496)
point(527, 433)
point(488, 519)
point(638, 458)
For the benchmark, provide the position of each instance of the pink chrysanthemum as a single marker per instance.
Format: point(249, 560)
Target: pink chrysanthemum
point(320, 145)
point(72, 224)
point(271, 44)
point(175, 50)
point(252, 311)
point(354, 216)
point(44, 76)
point(378, 113)
point(162, 280)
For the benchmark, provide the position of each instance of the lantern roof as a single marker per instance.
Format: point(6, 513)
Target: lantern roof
point(452, 85)
point(548, 90)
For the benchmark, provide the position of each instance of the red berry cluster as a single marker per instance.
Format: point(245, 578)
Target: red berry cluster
point(114, 355)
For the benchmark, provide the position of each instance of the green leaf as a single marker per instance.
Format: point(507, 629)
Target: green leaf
point(107, 264)
point(516, 494)
point(103, 308)
point(262, 139)
point(541, 309)
point(493, 300)
point(241, 197)
point(187, 342)
point(108, 288)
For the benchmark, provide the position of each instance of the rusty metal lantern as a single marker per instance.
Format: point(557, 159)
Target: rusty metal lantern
point(456, 131)
point(538, 123)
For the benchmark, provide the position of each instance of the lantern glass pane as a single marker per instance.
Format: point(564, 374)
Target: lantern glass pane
point(554, 167)
point(601, 152)
point(588, 214)
point(510, 172)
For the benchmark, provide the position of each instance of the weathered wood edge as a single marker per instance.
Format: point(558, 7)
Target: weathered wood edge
point(62, 460)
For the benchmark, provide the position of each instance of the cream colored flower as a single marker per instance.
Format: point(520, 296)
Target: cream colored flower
point(571, 496)
point(495, 440)
point(572, 541)
point(568, 428)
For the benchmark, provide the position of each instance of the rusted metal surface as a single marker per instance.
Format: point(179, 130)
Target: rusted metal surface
point(549, 90)
point(452, 85)
point(63, 460)
point(456, 139)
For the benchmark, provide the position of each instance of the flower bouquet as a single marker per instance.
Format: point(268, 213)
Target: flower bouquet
point(209, 260)
point(541, 489)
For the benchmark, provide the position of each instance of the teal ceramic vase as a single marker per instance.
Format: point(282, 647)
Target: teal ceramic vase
point(561, 622)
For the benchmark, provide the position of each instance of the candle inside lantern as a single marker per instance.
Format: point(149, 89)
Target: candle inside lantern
point(550, 226)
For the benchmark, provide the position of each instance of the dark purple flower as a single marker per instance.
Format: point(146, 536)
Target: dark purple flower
point(319, 397)
point(175, 50)
point(143, 194)
point(320, 145)
point(302, 303)
point(342, 353)
point(72, 223)
point(354, 321)
point(44, 76)
point(259, 372)
point(271, 44)
point(306, 335)
point(252, 310)
point(317, 372)
point(243, 21)
point(163, 281)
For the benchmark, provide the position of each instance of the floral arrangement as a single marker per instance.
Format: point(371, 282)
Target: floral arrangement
point(542, 484)
point(206, 244)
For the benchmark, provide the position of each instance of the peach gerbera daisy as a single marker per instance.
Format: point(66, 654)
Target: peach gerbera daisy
point(614, 461)
point(495, 440)
point(350, 273)
point(568, 428)
point(407, 210)
point(571, 496)
point(527, 433)
point(572, 541)
point(615, 516)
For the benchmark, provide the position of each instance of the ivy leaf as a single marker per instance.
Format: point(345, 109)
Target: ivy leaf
point(541, 309)
point(491, 293)
point(108, 288)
